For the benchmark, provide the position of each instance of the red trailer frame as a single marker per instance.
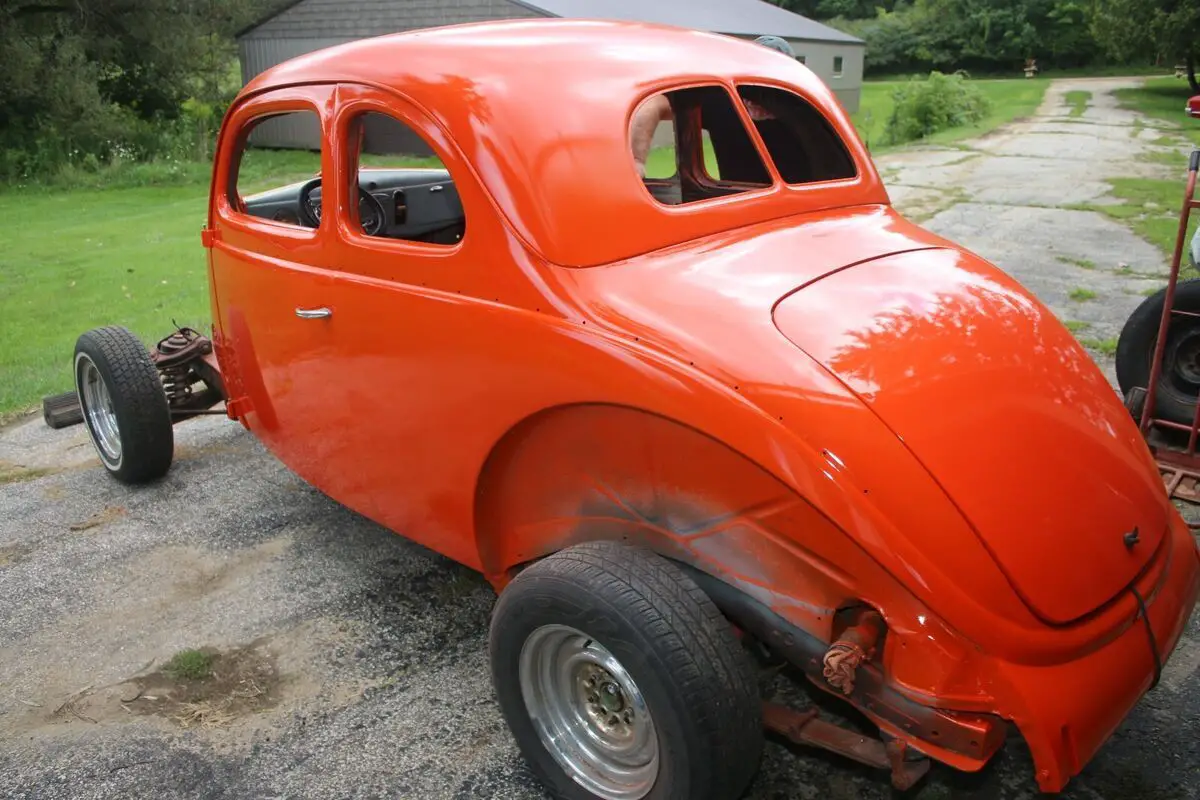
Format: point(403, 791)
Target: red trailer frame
point(1180, 467)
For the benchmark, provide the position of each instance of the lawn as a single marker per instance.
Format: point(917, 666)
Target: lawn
point(1150, 207)
point(1010, 99)
point(129, 255)
point(1163, 100)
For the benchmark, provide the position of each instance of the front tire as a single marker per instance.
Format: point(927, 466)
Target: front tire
point(621, 680)
point(124, 407)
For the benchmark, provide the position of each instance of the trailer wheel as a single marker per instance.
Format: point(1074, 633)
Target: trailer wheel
point(1179, 385)
point(124, 406)
point(621, 680)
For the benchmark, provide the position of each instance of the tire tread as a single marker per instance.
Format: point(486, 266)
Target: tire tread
point(143, 416)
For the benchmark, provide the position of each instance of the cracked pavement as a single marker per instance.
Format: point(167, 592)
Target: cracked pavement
point(380, 645)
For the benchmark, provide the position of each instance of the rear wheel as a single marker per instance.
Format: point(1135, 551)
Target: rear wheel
point(1179, 384)
point(621, 680)
point(123, 404)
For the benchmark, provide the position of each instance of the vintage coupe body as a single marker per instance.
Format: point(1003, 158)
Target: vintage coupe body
point(738, 406)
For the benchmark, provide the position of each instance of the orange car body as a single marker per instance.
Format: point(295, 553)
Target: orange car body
point(793, 389)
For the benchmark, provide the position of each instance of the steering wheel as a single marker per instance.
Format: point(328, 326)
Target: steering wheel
point(310, 215)
point(371, 215)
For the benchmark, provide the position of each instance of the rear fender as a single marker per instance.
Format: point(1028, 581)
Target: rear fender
point(577, 473)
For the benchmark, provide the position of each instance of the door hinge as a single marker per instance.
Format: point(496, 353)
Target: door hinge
point(208, 236)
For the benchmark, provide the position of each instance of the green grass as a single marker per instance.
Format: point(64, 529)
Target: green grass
point(1082, 263)
point(660, 162)
point(1150, 207)
point(1010, 100)
point(1162, 100)
point(1075, 326)
point(1106, 346)
point(1078, 101)
point(129, 256)
point(191, 665)
point(1081, 295)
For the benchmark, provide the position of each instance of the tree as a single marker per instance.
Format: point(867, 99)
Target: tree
point(1161, 29)
point(97, 78)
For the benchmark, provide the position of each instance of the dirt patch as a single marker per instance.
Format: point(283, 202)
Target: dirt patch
point(12, 473)
point(100, 518)
point(239, 682)
point(11, 554)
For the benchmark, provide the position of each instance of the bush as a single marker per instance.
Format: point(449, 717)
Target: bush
point(937, 103)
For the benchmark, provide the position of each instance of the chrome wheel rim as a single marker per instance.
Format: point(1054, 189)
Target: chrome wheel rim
point(589, 713)
point(99, 411)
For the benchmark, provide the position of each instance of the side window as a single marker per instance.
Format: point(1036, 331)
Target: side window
point(278, 154)
point(690, 145)
point(801, 142)
point(405, 192)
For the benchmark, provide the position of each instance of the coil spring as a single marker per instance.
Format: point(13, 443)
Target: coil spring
point(177, 383)
point(177, 378)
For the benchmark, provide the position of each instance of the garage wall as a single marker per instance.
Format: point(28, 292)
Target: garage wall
point(819, 57)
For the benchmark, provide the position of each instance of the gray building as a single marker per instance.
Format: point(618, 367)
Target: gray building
point(306, 25)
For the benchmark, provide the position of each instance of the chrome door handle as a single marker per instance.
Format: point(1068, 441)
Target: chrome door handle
point(313, 313)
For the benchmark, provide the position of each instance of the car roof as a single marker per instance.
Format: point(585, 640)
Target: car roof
point(541, 108)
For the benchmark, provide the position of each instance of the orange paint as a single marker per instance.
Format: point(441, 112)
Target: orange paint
point(791, 388)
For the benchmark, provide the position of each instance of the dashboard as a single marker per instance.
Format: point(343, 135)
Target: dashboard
point(409, 203)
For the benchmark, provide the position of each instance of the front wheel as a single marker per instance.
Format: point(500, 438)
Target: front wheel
point(621, 680)
point(123, 404)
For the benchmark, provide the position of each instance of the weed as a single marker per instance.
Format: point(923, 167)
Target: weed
point(1078, 101)
point(1106, 346)
point(1075, 326)
point(1082, 263)
point(1081, 295)
point(192, 665)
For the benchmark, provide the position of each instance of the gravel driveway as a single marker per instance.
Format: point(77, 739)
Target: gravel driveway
point(365, 655)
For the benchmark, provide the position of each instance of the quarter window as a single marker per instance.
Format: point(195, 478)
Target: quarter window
point(801, 142)
point(279, 153)
point(691, 145)
point(405, 190)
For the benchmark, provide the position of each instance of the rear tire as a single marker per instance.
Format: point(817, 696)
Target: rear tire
point(670, 682)
point(1179, 385)
point(124, 407)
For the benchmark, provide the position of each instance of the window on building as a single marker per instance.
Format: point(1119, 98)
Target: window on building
point(802, 59)
point(712, 153)
point(837, 66)
point(287, 143)
point(405, 191)
point(801, 142)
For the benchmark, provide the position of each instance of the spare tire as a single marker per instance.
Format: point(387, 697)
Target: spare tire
point(1179, 381)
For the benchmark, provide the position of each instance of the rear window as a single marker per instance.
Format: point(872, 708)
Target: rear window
point(801, 142)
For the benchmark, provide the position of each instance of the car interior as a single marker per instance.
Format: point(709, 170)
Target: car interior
point(415, 204)
point(715, 156)
point(404, 190)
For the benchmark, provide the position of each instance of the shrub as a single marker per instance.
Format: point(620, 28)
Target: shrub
point(937, 103)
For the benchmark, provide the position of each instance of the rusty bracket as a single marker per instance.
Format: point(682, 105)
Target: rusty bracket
point(806, 728)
